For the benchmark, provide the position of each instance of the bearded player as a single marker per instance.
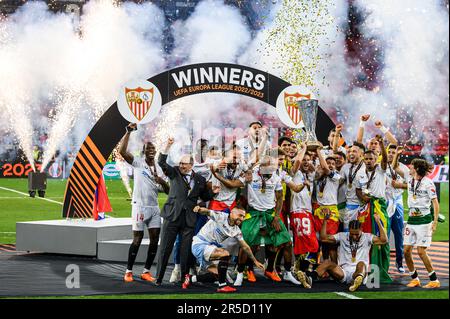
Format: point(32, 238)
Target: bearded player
point(209, 246)
point(351, 172)
point(145, 209)
point(353, 254)
point(327, 184)
point(371, 190)
point(262, 220)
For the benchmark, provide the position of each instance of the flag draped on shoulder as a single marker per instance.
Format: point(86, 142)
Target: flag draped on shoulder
point(380, 254)
point(101, 203)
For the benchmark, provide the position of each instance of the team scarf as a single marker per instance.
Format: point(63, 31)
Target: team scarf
point(380, 254)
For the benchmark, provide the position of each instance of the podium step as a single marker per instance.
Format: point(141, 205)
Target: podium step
point(70, 236)
point(117, 250)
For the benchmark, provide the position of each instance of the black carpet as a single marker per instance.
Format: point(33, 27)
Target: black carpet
point(45, 275)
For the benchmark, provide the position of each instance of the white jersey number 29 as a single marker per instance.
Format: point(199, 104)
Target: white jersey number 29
point(302, 226)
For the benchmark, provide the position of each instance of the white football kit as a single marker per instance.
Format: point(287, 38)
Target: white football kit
point(418, 230)
point(377, 186)
point(145, 207)
point(258, 198)
point(348, 260)
point(217, 232)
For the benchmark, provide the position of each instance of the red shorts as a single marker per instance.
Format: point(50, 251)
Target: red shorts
point(305, 239)
point(220, 206)
point(332, 226)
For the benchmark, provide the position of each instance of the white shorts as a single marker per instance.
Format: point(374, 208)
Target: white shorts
point(145, 217)
point(349, 270)
point(418, 235)
point(203, 250)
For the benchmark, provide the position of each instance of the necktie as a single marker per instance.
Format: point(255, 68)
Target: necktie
point(187, 178)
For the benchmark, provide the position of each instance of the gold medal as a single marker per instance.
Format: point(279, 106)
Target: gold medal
point(350, 186)
point(353, 259)
point(414, 196)
point(320, 194)
point(263, 190)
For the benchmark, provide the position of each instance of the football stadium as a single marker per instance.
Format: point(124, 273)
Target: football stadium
point(215, 149)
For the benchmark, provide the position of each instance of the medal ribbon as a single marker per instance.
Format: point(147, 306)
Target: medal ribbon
point(352, 175)
point(263, 181)
point(305, 176)
point(371, 177)
point(415, 189)
point(354, 248)
point(322, 183)
point(393, 173)
point(228, 175)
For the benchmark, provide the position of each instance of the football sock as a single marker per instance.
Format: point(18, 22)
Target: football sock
point(222, 270)
point(132, 253)
point(270, 260)
point(279, 256)
point(414, 274)
point(432, 276)
point(240, 268)
point(151, 254)
point(287, 266)
point(249, 265)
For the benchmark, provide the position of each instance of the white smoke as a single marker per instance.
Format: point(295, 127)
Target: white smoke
point(213, 33)
point(50, 64)
point(413, 37)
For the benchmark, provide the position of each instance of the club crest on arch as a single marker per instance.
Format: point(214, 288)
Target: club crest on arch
point(287, 107)
point(290, 102)
point(139, 100)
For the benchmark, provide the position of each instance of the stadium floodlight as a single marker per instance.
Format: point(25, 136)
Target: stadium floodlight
point(37, 181)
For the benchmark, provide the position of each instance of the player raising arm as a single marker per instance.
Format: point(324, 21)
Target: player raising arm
point(148, 181)
point(211, 246)
point(353, 253)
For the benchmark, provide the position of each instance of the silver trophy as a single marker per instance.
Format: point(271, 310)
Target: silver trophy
point(308, 111)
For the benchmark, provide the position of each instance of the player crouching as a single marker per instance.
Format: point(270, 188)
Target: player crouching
point(353, 253)
point(212, 244)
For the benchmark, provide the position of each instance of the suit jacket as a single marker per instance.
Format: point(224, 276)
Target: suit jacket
point(180, 198)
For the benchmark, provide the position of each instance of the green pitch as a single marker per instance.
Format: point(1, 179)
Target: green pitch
point(15, 207)
point(441, 294)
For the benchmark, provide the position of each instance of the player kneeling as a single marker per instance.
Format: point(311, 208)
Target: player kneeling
point(212, 244)
point(353, 253)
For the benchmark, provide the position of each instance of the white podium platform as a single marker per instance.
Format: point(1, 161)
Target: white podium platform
point(74, 236)
point(117, 250)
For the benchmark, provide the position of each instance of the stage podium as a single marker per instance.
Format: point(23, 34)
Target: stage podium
point(107, 239)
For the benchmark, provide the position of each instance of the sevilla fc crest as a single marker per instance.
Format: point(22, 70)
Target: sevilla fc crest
point(290, 101)
point(139, 101)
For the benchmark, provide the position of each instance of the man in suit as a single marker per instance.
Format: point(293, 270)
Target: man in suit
point(186, 187)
